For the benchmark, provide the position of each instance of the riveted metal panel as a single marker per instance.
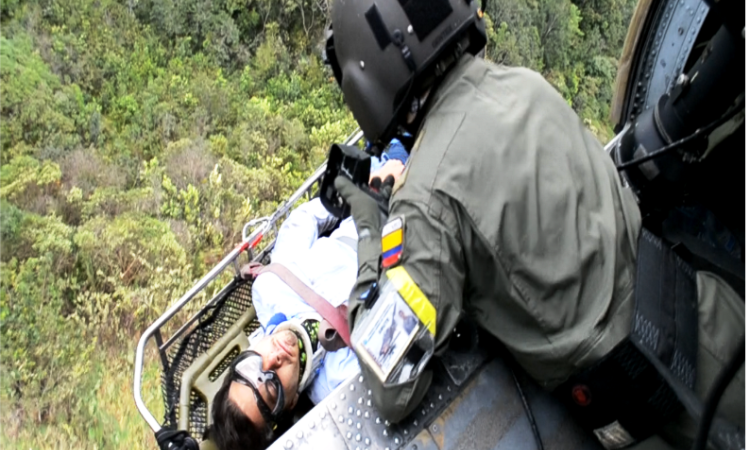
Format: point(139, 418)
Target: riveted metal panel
point(358, 424)
point(486, 412)
point(669, 44)
point(316, 431)
point(489, 414)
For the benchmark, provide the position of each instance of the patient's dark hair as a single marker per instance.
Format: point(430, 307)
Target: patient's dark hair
point(231, 429)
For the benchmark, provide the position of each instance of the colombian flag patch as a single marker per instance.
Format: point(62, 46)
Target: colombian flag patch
point(393, 242)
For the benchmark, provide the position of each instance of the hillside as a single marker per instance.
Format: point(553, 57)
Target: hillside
point(138, 136)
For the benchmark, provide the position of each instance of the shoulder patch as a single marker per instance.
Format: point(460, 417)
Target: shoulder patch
point(393, 242)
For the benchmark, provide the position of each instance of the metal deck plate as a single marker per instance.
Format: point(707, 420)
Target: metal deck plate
point(486, 412)
point(489, 414)
point(317, 430)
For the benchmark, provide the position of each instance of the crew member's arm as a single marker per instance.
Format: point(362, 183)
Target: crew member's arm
point(433, 259)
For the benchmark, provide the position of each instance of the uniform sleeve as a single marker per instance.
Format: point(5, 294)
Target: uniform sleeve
point(300, 230)
point(433, 258)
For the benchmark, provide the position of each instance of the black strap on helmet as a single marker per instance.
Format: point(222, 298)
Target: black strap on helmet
point(330, 55)
point(425, 16)
point(175, 440)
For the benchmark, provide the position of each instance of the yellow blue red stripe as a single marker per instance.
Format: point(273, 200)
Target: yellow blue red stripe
point(393, 251)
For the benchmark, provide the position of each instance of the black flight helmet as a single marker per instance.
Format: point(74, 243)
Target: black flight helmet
point(381, 51)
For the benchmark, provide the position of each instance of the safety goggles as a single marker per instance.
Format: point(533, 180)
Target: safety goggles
point(247, 369)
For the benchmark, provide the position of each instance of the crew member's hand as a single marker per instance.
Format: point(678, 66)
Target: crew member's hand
point(364, 208)
point(392, 167)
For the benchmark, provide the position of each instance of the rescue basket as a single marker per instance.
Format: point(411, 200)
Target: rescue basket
point(199, 347)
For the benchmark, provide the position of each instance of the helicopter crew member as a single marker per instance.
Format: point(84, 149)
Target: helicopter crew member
point(508, 211)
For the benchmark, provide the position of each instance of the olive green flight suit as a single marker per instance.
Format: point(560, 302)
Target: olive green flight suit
point(514, 213)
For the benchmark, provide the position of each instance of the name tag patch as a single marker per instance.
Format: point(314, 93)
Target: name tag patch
point(389, 335)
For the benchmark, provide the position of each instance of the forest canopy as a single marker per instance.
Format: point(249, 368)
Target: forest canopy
point(138, 136)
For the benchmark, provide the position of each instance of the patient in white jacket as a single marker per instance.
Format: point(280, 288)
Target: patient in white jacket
point(328, 265)
point(265, 381)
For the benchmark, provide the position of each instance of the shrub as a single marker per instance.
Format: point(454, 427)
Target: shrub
point(87, 171)
point(11, 228)
point(188, 162)
point(125, 250)
point(29, 183)
point(45, 343)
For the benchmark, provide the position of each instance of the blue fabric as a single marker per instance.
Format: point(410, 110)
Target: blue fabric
point(338, 367)
point(275, 320)
point(395, 150)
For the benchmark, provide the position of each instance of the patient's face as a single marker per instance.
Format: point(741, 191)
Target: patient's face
point(280, 353)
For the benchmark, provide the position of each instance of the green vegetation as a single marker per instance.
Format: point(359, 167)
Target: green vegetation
point(574, 44)
point(139, 136)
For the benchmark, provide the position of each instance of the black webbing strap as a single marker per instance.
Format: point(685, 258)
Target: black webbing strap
point(723, 435)
point(666, 308)
point(626, 397)
point(671, 312)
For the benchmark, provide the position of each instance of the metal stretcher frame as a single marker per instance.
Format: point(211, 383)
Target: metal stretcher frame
point(252, 234)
